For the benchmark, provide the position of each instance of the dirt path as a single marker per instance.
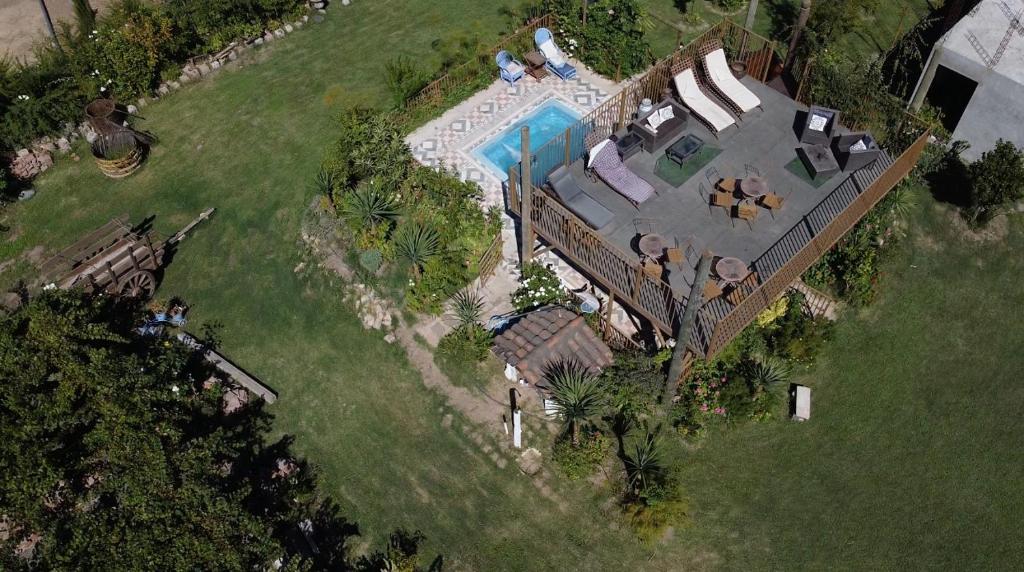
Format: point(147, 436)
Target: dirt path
point(22, 24)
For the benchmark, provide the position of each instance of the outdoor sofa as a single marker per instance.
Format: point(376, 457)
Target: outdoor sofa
point(855, 150)
point(666, 131)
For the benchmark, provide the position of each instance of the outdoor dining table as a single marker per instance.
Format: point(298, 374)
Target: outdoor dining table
point(731, 269)
point(754, 186)
point(652, 245)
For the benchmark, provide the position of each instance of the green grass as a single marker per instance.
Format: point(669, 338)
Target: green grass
point(911, 458)
point(799, 169)
point(675, 174)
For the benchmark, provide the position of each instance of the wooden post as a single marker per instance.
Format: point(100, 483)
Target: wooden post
point(513, 191)
point(526, 206)
point(801, 22)
point(568, 145)
point(694, 302)
point(585, 2)
point(608, 315)
point(622, 112)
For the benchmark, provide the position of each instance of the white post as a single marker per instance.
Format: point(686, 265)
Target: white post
point(517, 430)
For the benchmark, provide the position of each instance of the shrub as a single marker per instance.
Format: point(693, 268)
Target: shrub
point(730, 5)
point(581, 461)
point(404, 79)
point(368, 145)
point(613, 41)
point(37, 100)
point(996, 183)
point(466, 344)
point(371, 260)
point(633, 383)
point(539, 286)
point(650, 516)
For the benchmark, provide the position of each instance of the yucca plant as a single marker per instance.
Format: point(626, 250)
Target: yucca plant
point(417, 243)
point(368, 206)
point(577, 394)
point(644, 468)
point(467, 307)
point(323, 184)
point(766, 371)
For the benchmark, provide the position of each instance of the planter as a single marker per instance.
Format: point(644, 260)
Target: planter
point(121, 167)
point(104, 116)
point(739, 69)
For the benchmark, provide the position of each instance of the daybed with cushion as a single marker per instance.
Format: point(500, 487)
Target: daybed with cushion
point(703, 107)
point(555, 58)
point(604, 160)
point(725, 85)
point(577, 200)
point(667, 129)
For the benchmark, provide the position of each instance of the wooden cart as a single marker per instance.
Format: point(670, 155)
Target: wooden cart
point(114, 259)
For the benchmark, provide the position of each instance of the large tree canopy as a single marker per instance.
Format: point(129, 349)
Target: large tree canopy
point(114, 453)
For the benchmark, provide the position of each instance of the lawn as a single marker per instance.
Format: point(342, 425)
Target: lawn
point(909, 458)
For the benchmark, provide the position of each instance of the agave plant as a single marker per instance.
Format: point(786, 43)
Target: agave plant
point(767, 371)
point(467, 307)
point(368, 206)
point(323, 184)
point(417, 243)
point(644, 467)
point(577, 394)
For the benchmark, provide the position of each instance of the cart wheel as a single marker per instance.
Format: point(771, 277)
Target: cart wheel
point(140, 284)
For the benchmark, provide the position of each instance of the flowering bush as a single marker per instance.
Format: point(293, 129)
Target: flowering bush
point(612, 43)
point(539, 286)
point(700, 402)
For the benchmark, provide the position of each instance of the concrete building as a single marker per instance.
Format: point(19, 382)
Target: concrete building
point(975, 74)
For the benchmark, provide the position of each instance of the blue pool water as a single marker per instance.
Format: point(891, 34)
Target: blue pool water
point(503, 150)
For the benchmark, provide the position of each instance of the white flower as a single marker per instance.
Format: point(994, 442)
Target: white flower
point(611, 12)
point(174, 388)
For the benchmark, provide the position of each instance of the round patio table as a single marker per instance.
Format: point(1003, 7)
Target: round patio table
point(754, 186)
point(652, 245)
point(731, 269)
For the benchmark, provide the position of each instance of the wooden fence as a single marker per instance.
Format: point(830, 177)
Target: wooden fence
point(462, 74)
point(489, 259)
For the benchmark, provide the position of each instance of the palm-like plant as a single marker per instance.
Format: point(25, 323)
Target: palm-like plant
point(644, 468)
point(767, 371)
point(467, 307)
point(577, 394)
point(369, 205)
point(323, 184)
point(417, 243)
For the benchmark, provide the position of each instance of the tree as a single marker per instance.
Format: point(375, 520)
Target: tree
point(996, 182)
point(114, 449)
point(577, 394)
point(832, 20)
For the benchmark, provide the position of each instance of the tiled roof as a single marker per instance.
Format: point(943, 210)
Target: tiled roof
point(546, 336)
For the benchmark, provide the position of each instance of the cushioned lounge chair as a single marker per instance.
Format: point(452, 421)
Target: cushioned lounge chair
point(703, 107)
point(725, 85)
point(511, 70)
point(605, 161)
point(577, 200)
point(555, 58)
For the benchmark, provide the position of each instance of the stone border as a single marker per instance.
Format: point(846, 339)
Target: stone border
point(37, 157)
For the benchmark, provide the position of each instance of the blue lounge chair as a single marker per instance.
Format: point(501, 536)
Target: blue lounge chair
point(511, 69)
point(555, 58)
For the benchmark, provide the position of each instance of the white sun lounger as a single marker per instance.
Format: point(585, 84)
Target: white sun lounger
point(700, 104)
point(727, 85)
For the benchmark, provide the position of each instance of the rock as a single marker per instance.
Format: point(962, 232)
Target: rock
point(26, 194)
point(11, 301)
point(298, 23)
point(279, 33)
point(132, 109)
point(390, 338)
point(215, 64)
point(305, 17)
point(318, 18)
point(184, 78)
point(45, 160)
point(256, 42)
point(346, 2)
point(191, 71)
point(268, 37)
point(23, 152)
point(289, 28)
point(317, 5)
point(530, 461)
point(63, 145)
point(233, 54)
point(321, 11)
point(30, 164)
point(204, 69)
point(163, 89)
point(173, 85)
point(91, 137)
point(142, 102)
point(46, 146)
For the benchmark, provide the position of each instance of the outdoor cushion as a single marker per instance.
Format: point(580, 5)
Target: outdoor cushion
point(721, 75)
point(577, 200)
point(700, 104)
point(607, 164)
point(552, 53)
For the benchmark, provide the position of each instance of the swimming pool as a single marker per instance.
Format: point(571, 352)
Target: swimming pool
point(503, 150)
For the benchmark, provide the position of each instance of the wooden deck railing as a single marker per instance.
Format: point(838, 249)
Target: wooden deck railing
point(464, 73)
point(490, 258)
point(821, 236)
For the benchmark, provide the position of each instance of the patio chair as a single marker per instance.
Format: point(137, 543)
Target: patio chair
point(747, 212)
point(703, 107)
point(712, 175)
point(772, 202)
point(577, 200)
point(751, 170)
point(712, 290)
point(510, 69)
point(605, 161)
point(718, 199)
point(719, 78)
point(555, 58)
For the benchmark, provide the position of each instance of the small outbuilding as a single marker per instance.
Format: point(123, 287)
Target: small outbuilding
point(534, 341)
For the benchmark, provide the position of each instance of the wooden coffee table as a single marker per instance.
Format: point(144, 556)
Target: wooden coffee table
point(535, 65)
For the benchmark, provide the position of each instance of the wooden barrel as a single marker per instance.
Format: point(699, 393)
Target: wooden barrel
point(121, 167)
